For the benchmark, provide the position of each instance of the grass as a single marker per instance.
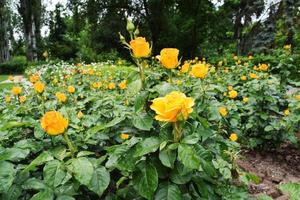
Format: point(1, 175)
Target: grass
point(3, 77)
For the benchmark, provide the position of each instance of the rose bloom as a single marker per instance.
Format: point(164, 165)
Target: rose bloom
point(254, 76)
point(80, 115)
point(71, 89)
point(243, 78)
point(286, 112)
point(233, 137)
point(34, 78)
point(232, 94)
point(230, 87)
point(54, 123)
point(223, 111)
point(185, 67)
point(245, 99)
point(61, 97)
point(22, 99)
point(200, 70)
point(97, 85)
point(140, 47)
point(174, 106)
point(111, 86)
point(263, 67)
point(39, 87)
point(10, 78)
point(122, 85)
point(7, 99)
point(169, 57)
point(124, 136)
point(16, 90)
point(298, 97)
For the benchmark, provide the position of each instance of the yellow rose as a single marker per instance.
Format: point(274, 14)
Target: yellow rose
point(111, 86)
point(55, 81)
point(80, 115)
point(263, 67)
point(16, 90)
point(10, 78)
point(243, 78)
point(122, 85)
point(22, 99)
point(286, 112)
point(297, 97)
point(140, 47)
point(71, 89)
point(60, 97)
point(54, 123)
point(185, 67)
point(169, 57)
point(254, 76)
point(39, 87)
point(287, 46)
point(232, 94)
point(226, 70)
point(174, 106)
point(124, 136)
point(235, 57)
point(250, 57)
point(256, 68)
point(245, 99)
point(233, 137)
point(230, 87)
point(200, 70)
point(97, 85)
point(7, 99)
point(34, 78)
point(223, 111)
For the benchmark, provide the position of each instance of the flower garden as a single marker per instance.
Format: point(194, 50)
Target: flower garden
point(163, 128)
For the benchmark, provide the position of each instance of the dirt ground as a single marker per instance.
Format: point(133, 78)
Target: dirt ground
point(273, 167)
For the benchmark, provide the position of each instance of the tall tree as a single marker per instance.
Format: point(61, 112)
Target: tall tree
point(4, 31)
point(30, 11)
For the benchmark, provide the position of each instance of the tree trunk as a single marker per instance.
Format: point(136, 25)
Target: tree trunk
point(4, 32)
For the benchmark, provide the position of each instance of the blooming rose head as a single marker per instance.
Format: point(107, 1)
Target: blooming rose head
point(185, 67)
point(54, 123)
point(243, 78)
point(169, 57)
point(111, 86)
point(223, 111)
point(254, 76)
point(200, 70)
point(61, 97)
point(122, 85)
point(140, 47)
point(263, 67)
point(232, 94)
point(39, 87)
point(71, 89)
point(34, 78)
point(22, 99)
point(173, 107)
point(233, 137)
point(16, 90)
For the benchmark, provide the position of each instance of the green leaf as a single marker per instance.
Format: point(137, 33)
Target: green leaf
point(83, 170)
point(13, 193)
point(41, 159)
point(145, 180)
point(168, 191)
point(167, 157)
point(264, 197)
point(14, 154)
point(134, 87)
point(268, 128)
point(187, 155)
point(34, 184)
point(54, 173)
point(65, 197)
point(44, 195)
point(190, 139)
point(293, 189)
point(140, 101)
point(14, 124)
point(146, 146)
point(142, 121)
point(100, 180)
point(7, 175)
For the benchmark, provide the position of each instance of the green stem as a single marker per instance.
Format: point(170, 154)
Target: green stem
point(70, 145)
point(177, 131)
point(170, 76)
point(142, 75)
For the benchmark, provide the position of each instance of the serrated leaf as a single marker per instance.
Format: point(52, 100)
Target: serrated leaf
point(187, 155)
point(168, 191)
point(83, 170)
point(146, 146)
point(142, 121)
point(100, 180)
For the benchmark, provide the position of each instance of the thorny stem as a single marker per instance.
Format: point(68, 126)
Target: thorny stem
point(177, 131)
